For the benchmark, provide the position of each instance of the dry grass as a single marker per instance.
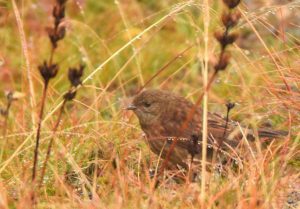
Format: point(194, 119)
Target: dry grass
point(99, 159)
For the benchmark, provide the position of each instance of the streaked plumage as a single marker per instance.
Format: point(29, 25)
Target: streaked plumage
point(162, 114)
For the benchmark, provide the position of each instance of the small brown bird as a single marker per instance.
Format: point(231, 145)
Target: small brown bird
point(163, 116)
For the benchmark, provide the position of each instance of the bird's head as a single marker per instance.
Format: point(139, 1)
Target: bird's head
point(148, 106)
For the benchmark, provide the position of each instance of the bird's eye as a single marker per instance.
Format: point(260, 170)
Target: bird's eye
point(146, 104)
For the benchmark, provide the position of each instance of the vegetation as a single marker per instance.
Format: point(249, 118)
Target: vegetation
point(97, 157)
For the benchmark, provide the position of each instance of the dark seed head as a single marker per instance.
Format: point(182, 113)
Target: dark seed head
point(75, 75)
point(70, 95)
point(231, 38)
point(61, 2)
point(230, 105)
point(223, 62)
point(231, 3)
point(231, 19)
point(48, 71)
point(226, 39)
point(61, 32)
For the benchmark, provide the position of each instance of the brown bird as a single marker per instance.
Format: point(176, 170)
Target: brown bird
point(163, 116)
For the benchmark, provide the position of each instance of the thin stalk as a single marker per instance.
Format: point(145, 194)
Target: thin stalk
point(46, 81)
point(6, 118)
point(51, 142)
point(4, 131)
point(205, 102)
point(27, 60)
point(51, 56)
point(215, 153)
point(38, 133)
point(226, 125)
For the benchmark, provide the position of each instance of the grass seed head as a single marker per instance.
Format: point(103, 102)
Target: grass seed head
point(225, 39)
point(70, 95)
point(75, 75)
point(223, 62)
point(230, 105)
point(48, 71)
point(231, 3)
point(230, 20)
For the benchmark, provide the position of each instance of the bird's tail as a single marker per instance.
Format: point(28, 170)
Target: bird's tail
point(268, 133)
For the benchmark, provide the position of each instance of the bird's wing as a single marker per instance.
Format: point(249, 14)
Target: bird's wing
point(177, 125)
point(178, 116)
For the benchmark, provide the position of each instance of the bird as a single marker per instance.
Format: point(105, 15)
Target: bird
point(164, 118)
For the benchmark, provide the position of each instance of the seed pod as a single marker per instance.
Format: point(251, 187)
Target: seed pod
point(75, 75)
point(231, 3)
point(70, 95)
point(223, 62)
point(230, 19)
point(48, 71)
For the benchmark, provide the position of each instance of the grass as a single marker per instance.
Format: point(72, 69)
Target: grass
point(99, 149)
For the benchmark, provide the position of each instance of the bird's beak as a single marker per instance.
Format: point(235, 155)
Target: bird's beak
point(131, 107)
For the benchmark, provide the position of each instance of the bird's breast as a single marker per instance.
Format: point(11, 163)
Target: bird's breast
point(155, 136)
